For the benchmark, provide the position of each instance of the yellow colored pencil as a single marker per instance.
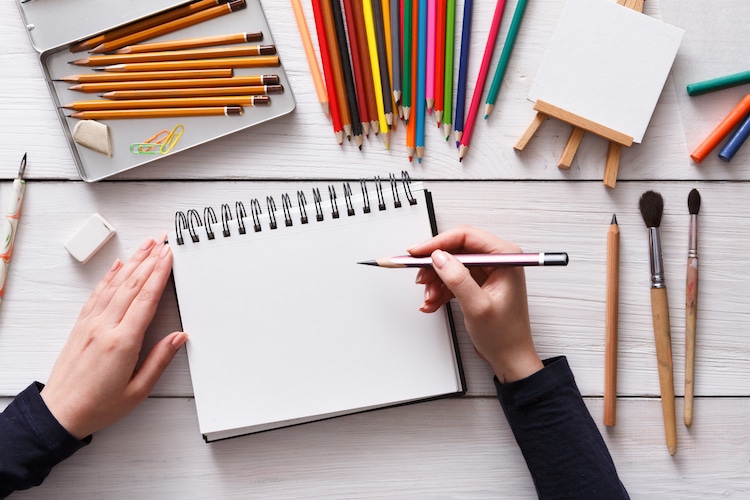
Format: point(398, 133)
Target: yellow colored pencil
point(194, 92)
point(177, 55)
point(182, 102)
point(375, 64)
point(175, 84)
point(117, 114)
point(191, 43)
point(229, 62)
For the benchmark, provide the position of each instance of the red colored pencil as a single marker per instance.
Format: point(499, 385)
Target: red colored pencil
point(359, 82)
point(325, 60)
point(440, 59)
point(338, 73)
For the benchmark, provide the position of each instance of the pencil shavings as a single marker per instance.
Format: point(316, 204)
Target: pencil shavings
point(93, 135)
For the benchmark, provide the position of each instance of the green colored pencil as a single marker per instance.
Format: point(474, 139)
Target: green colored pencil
point(502, 63)
point(450, 32)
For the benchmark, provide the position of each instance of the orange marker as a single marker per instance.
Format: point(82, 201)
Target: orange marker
point(722, 130)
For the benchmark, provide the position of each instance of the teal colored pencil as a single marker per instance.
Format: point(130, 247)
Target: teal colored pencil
point(721, 83)
point(502, 63)
point(450, 33)
point(407, 68)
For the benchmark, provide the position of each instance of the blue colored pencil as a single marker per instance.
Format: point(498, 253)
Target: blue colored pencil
point(463, 64)
point(421, 77)
point(736, 140)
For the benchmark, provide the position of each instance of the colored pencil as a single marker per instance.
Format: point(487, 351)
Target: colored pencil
point(450, 33)
point(177, 55)
point(325, 60)
point(359, 82)
point(250, 80)
point(396, 51)
point(375, 65)
point(338, 73)
point(502, 63)
point(144, 24)
point(484, 68)
point(421, 78)
point(442, 6)
point(736, 140)
point(408, 63)
point(363, 49)
point(429, 89)
point(478, 260)
point(193, 92)
point(183, 102)
point(411, 125)
point(611, 323)
point(192, 43)
point(117, 114)
point(228, 62)
point(149, 75)
point(312, 62)
point(346, 70)
point(722, 130)
point(386, 9)
point(171, 26)
point(463, 65)
point(720, 83)
point(382, 49)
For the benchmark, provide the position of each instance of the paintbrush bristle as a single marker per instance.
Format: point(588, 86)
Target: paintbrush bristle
point(694, 202)
point(652, 208)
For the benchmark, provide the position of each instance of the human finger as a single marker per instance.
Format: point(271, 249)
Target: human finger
point(156, 362)
point(465, 239)
point(103, 284)
point(458, 279)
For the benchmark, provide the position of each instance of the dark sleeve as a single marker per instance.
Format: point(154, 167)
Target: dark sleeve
point(560, 442)
point(32, 441)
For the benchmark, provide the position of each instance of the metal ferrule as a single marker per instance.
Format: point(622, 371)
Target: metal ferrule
point(657, 262)
point(693, 237)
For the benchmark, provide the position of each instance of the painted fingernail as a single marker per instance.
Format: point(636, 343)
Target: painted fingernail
point(165, 249)
point(147, 243)
point(439, 258)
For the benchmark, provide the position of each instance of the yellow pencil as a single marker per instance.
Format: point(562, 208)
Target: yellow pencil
point(229, 62)
point(191, 43)
point(117, 114)
point(177, 55)
point(146, 75)
point(375, 64)
point(194, 92)
point(183, 102)
point(174, 84)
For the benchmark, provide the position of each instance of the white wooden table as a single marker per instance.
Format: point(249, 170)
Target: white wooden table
point(450, 448)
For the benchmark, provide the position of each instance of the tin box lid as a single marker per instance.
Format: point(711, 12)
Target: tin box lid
point(51, 23)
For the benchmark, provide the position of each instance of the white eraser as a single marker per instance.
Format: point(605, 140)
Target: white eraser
point(90, 238)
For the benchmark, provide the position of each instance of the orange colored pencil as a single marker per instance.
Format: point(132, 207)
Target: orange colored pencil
point(359, 82)
point(148, 75)
point(149, 22)
point(191, 43)
point(360, 34)
point(734, 117)
point(185, 102)
point(175, 84)
point(194, 92)
point(177, 55)
point(171, 26)
point(232, 62)
point(325, 59)
point(118, 114)
point(312, 62)
point(338, 73)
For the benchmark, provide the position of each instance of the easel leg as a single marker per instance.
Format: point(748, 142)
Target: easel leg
point(613, 163)
point(566, 160)
point(533, 127)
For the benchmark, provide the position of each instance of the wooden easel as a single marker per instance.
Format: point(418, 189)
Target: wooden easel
point(581, 125)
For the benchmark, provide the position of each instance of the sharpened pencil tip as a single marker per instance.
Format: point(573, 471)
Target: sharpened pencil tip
point(614, 219)
point(368, 262)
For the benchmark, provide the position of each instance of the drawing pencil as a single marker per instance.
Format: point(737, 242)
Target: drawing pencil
point(350, 92)
point(193, 92)
point(408, 64)
point(325, 59)
point(177, 55)
point(722, 130)
point(397, 79)
point(147, 75)
point(312, 62)
point(720, 83)
point(146, 23)
point(192, 43)
point(429, 62)
point(421, 103)
point(651, 205)
point(382, 49)
point(502, 63)
point(363, 49)
point(115, 114)
point(227, 62)
point(178, 102)
point(442, 6)
point(450, 34)
point(476, 260)
point(236, 81)
point(484, 67)
point(463, 65)
point(375, 66)
point(171, 26)
point(736, 140)
point(611, 323)
point(9, 229)
point(359, 82)
point(691, 303)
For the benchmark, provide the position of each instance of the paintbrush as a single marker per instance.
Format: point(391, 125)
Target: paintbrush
point(652, 208)
point(691, 303)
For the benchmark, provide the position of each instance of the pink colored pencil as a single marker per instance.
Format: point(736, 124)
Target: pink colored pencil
point(479, 89)
point(429, 93)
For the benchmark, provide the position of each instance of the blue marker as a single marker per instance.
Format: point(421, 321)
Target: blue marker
point(736, 141)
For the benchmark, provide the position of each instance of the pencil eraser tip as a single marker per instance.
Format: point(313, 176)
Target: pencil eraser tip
point(89, 238)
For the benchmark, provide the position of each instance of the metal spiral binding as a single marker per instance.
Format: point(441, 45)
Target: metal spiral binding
point(189, 221)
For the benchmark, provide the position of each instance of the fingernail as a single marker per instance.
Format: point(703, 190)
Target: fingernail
point(427, 294)
point(165, 251)
point(115, 265)
point(178, 340)
point(162, 238)
point(439, 258)
point(147, 243)
point(420, 276)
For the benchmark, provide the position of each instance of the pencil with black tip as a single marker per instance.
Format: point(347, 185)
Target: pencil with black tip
point(221, 62)
point(147, 76)
point(346, 72)
point(118, 114)
point(177, 55)
point(359, 82)
point(185, 102)
point(194, 92)
point(192, 43)
point(236, 81)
